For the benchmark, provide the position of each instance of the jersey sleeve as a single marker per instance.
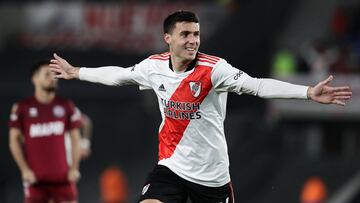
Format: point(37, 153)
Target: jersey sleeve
point(118, 76)
point(226, 78)
point(15, 120)
point(74, 117)
point(271, 88)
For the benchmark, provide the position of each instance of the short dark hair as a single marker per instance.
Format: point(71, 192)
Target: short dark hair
point(37, 65)
point(179, 16)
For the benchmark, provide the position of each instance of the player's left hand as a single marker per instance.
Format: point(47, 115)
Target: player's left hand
point(325, 94)
point(74, 175)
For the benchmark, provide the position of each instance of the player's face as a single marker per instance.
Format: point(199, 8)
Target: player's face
point(44, 79)
point(184, 40)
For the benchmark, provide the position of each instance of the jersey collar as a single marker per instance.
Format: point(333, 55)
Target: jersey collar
point(189, 68)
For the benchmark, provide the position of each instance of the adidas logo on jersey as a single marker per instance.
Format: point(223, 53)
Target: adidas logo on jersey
point(162, 88)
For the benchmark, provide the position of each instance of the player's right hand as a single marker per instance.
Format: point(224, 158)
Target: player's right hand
point(28, 176)
point(62, 69)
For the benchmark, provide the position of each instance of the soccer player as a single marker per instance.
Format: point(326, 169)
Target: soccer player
point(192, 91)
point(36, 128)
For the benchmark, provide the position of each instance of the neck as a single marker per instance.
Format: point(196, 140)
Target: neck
point(44, 96)
point(179, 65)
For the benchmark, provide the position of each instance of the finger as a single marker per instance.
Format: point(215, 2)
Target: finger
point(55, 61)
point(327, 80)
point(55, 70)
point(342, 93)
point(58, 76)
point(55, 67)
point(337, 89)
point(342, 97)
point(339, 102)
point(58, 57)
point(343, 88)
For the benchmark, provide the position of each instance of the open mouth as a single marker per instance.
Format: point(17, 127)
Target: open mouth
point(190, 49)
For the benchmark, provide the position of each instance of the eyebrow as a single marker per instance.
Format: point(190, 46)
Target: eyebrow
point(188, 32)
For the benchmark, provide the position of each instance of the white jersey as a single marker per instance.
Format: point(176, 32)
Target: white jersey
point(193, 108)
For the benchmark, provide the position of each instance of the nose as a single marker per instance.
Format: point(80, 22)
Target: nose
point(193, 39)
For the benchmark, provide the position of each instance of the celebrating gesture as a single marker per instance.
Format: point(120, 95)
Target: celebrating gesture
point(192, 89)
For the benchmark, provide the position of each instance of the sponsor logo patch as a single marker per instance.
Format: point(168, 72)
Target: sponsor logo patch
point(46, 129)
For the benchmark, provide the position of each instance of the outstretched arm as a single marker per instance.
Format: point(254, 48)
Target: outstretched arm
point(107, 75)
point(226, 78)
point(321, 93)
point(325, 94)
point(63, 69)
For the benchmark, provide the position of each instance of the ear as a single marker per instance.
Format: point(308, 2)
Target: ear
point(167, 38)
point(33, 79)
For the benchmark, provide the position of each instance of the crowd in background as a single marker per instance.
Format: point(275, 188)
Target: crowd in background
point(337, 52)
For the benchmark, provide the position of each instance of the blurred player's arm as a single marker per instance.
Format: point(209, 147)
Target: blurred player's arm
point(16, 140)
point(86, 135)
point(74, 174)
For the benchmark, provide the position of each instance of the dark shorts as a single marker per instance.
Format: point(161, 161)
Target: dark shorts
point(164, 185)
point(43, 192)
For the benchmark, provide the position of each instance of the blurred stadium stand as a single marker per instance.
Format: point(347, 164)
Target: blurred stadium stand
point(274, 146)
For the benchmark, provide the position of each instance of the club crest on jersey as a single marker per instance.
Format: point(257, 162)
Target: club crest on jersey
point(58, 111)
point(195, 88)
point(33, 112)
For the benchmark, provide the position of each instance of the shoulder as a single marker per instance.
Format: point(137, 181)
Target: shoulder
point(14, 108)
point(19, 106)
point(209, 60)
point(160, 57)
point(23, 102)
point(209, 57)
point(155, 62)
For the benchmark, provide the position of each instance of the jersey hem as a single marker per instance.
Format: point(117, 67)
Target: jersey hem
point(228, 180)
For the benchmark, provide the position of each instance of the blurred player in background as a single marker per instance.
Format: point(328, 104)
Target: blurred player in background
point(192, 90)
point(37, 130)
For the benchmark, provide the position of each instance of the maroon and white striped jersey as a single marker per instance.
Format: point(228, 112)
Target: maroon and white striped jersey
point(193, 108)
